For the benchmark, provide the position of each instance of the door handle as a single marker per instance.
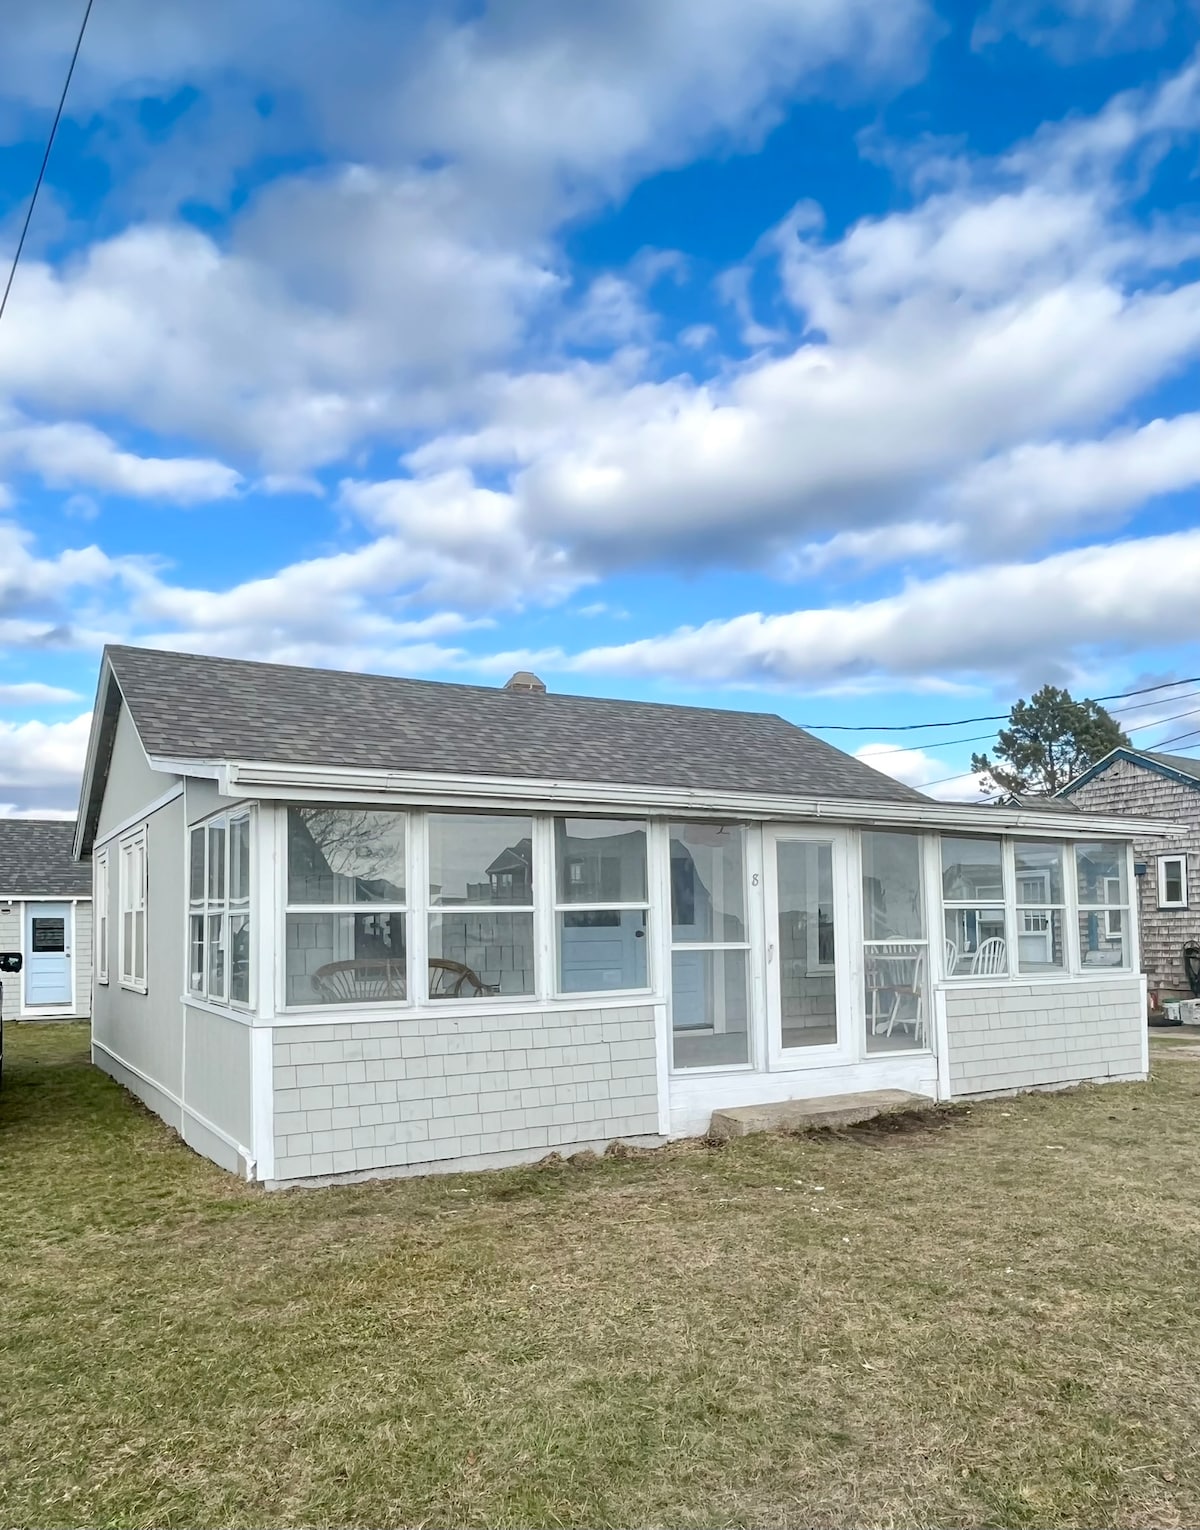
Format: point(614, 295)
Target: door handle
point(770, 953)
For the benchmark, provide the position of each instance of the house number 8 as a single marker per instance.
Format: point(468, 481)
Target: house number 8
point(754, 880)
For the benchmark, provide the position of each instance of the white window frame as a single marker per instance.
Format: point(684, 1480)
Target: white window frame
point(749, 888)
point(1163, 862)
point(1005, 903)
point(100, 912)
point(1022, 909)
point(226, 908)
point(415, 875)
point(133, 890)
point(1122, 927)
point(558, 908)
point(921, 943)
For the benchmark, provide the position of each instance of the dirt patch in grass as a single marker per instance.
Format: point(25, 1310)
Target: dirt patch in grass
point(989, 1321)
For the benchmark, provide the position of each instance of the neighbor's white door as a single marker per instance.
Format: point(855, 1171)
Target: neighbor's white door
point(47, 954)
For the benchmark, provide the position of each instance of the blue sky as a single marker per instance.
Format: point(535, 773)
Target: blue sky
point(818, 356)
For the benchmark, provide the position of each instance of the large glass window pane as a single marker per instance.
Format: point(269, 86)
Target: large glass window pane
point(893, 905)
point(478, 954)
point(351, 958)
point(708, 882)
point(975, 942)
point(896, 974)
point(239, 860)
point(196, 882)
point(971, 869)
point(196, 967)
point(216, 956)
point(602, 950)
point(345, 855)
point(710, 1008)
point(1040, 944)
point(216, 862)
point(239, 958)
point(807, 984)
point(1039, 868)
point(1100, 870)
point(600, 860)
point(479, 860)
point(1104, 937)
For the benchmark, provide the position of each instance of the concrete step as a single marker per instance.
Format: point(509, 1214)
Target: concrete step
point(810, 1115)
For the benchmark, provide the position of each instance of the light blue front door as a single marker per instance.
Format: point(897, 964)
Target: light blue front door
point(47, 954)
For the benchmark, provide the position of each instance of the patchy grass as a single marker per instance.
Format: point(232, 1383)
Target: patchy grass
point(990, 1319)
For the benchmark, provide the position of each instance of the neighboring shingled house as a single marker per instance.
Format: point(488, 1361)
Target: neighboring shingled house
point(365, 925)
point(46, 916)
point(1142, 783)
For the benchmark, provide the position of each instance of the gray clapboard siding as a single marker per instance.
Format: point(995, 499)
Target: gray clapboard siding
point(83, 959)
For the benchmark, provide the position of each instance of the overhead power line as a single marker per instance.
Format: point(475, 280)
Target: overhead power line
point(41, 175)
point(962, 722)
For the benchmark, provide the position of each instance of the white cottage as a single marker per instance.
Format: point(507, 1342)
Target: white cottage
point(46, 920)
point(364, 925)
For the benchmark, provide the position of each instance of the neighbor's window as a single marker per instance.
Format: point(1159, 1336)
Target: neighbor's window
point(976, 942)
point(132, 894)
point(1041, 906)
point(100, 912)
point(219, 909)
point(602, 905)
point(895, 946)
point(481, 906)
point(1172, 881)
point(1103, 892)
point(710, 948)
point(345, 931)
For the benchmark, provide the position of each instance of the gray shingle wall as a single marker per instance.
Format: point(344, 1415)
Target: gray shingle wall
point(1024, 1035)
point(382, 1094)
point(1125, 787)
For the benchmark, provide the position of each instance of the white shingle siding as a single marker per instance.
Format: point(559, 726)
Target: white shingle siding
point(1026, 1036)
point(385, 1094)
point(11, 940)
point(82, 952)
point(1128, 788)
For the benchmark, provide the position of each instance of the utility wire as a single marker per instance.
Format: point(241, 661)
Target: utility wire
point(961, 722)
point(41, 176)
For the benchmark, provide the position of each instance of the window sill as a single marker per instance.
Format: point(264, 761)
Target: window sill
point(141, 988)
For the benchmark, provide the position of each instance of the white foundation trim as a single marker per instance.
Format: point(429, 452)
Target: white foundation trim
point(262, 1101)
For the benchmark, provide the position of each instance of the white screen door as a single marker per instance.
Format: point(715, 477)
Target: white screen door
point(807, 948)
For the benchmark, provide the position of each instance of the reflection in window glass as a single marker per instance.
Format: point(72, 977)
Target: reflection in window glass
point(216, 862)
point(602, 950)
point(345, 855)
point(1039, 868)
point(239, 859)
point(975, 942)
point(350, 958)
point(893, 903)
point(600, 860)
point(710, 1008)
point(895, 953)
point(708, 883)
point(808, 987)
point(972, 869)
point(480, 954)
point(477, 860)
point(1040, 942)
point(1100, 873)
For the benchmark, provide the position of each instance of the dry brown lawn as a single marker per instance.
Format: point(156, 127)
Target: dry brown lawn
point(991, 1318)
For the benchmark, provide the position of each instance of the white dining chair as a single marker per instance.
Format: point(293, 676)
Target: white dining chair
point(991, 958)
point(951, 957)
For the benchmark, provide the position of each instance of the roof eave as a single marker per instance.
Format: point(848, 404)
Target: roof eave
point(275, 780)
point(1135, 757)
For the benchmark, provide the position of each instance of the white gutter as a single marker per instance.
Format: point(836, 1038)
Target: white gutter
point(264, 779)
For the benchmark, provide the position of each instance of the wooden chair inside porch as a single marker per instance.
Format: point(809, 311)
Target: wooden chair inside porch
point(370, 979)
point(896, 983)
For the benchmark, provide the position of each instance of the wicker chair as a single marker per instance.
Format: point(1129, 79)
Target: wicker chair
point(451, 980)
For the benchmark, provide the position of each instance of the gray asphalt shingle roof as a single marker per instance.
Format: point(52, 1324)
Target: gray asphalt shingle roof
point(37, 860)
point(1179, 762)
point(191, 707)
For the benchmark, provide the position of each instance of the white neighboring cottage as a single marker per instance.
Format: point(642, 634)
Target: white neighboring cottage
point(46, 919)
point(364, 925)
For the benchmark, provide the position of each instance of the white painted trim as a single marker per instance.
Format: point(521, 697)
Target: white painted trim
point(262, 1102)
point(140, 817)
point(429, 789)
point(1181, 857)
point(139, 836)
point(184, 1109)
point(335, 1014)
point(205, 1006)
point(203, 770)
point(941, 1032)
point(1145, 985)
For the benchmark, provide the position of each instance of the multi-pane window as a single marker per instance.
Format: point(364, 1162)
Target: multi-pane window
point(1172, 881)
point(710, 947)
point(976, 941)
point(219, 909)
point(1041, 906)
point(602, 904)
point(345, 922)
point(131, 880)
point(1103, 902)
point(480, 919)
point(100, 912)
point(895, 945)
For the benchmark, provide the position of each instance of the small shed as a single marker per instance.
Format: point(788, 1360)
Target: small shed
point(45, 916)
